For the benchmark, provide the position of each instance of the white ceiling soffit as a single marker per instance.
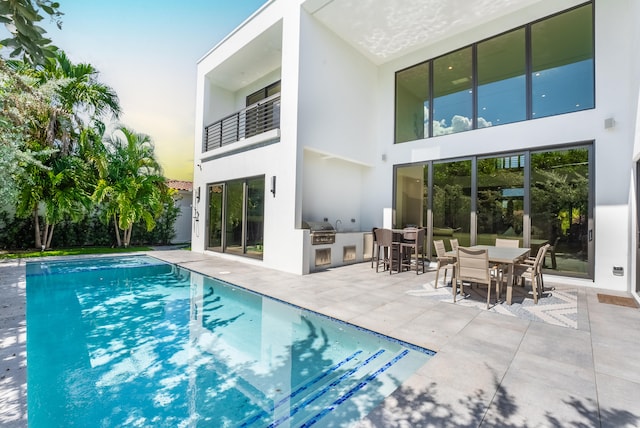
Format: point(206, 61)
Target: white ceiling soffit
point(383, 30)
point(254, 60)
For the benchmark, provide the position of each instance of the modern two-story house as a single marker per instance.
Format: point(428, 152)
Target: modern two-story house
point(476, 120)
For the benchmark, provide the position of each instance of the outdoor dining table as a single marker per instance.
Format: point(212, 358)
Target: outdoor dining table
point(507, 256)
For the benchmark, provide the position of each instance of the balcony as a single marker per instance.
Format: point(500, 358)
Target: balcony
point(256, 119)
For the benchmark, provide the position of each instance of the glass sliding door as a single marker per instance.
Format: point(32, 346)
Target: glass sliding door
point(236, 217)
point(561, 210)
point(234, 214)
point(500, 203)
point(255, 217)
point(411, 195)
point(452, 201)
point(216, 204)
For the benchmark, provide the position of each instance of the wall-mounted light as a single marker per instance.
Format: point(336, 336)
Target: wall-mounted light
point(273, 185)
point(609, 123)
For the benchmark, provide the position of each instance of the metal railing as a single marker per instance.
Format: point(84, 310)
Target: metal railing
point(257, 118)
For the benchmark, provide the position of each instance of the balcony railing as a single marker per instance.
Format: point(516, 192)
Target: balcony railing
point(257, 118)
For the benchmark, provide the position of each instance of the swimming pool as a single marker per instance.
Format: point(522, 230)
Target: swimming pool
point(139, 342)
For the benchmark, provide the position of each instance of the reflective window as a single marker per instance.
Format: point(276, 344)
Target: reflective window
point(560, 208)
point(562, 79)
point(500, 206)
point(216, 192)
point(236, 217)
point(233, 217)
point(411, 195)
point(562, 61)
point(255, 217)
point(502, 85)
point(452, 201)
point(412, 103)
point(452, 93)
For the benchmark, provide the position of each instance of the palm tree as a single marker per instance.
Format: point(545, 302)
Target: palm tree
point(131, 186)
point(76, 96)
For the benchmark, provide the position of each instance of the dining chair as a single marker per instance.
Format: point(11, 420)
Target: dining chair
point(444, 262)
point(532, 270)
point(412, 245)
point(374, 246)
point(454, 244)
point(384, 249)
point(473, 266)
point(511, 243)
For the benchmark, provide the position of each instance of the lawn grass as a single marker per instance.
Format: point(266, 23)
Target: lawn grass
point(69, 252)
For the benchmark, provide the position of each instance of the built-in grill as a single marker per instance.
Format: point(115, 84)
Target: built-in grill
point(322, 232)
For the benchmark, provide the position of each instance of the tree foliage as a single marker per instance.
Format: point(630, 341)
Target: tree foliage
point(28, 40)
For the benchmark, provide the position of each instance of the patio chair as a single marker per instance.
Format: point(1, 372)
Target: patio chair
point(384, 249)
point(444, 262)
point(454, 244)
point(412, 245)
point(374, 246)
point(532, 270)
point(473, 266)
point(511, 243)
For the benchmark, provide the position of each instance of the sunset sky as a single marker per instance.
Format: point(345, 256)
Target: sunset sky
point(147, 51)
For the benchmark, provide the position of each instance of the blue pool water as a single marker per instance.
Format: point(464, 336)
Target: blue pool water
point(134, 341)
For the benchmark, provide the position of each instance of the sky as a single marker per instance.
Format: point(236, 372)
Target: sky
point(147, 51)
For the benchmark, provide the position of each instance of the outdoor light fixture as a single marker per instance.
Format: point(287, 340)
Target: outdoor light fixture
point(273, 185)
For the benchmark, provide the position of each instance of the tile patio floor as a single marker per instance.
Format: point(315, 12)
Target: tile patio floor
point(490, 369)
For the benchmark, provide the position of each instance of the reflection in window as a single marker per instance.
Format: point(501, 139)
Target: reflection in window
point(412, 103)
point(500, 207)
point(233, 217)
point(502, 86)
point(411, 195)
point(255, 216)
point(562, 80)
point(562, 60)
point(215, 216)
point(560, 207)
point(452, 93)
point(452, 200)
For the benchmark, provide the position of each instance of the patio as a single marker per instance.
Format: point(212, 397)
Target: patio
point(491, 369)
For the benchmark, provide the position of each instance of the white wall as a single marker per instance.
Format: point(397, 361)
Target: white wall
point(184, 220)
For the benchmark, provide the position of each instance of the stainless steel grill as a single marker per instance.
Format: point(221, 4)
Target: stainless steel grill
point(322, 232)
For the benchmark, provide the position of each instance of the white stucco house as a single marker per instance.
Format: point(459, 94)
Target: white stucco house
point(504, 117)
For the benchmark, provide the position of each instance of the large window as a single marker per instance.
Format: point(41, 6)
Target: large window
point(560, 207)
point(236, 217)
point(562, 61)
point(537, 197)
point(452, 93)
point(500, 207)
point(412, 103)
point(542, 69)
point(502, 85)
point(452, 200)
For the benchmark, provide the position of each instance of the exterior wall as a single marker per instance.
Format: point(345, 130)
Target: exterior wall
point(336, 154)
point(184, 220)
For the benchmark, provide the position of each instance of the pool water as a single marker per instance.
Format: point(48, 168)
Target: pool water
point(134, 341)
